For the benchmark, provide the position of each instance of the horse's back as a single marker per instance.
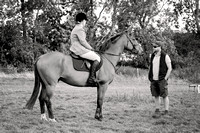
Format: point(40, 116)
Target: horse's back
point(56, 66)
point(52, 56)
point(51, 59)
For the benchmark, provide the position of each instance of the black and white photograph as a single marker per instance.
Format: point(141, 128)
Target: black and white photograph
point(99, 66)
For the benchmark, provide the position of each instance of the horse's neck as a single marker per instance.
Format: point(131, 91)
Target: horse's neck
point(114, 52)
point(116, 48)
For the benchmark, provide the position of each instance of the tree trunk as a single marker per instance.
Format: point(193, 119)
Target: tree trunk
point(23, 19)
point(91, 31)
point(91, 27)
point(113, 16)
point(197, 17)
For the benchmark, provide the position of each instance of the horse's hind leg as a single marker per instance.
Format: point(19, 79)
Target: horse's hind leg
point(42, 102)
point(49, 94)
point(44, 98)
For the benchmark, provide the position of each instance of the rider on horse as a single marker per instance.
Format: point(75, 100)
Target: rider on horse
point(81, 47)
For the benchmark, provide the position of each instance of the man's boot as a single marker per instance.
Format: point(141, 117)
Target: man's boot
point(91, 79)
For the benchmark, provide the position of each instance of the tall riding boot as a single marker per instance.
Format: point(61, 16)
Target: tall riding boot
point(91, 79)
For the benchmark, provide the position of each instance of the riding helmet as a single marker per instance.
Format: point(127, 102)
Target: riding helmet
point(80, 17)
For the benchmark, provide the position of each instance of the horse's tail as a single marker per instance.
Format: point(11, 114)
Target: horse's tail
point(36, 90)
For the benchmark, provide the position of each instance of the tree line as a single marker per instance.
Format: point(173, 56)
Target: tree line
point(30, 28)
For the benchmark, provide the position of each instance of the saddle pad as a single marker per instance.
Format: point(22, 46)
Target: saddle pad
point(80, 64)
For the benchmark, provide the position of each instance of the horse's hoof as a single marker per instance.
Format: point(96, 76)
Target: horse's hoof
point(99, 118)
point(43, 117)
point(52, 120)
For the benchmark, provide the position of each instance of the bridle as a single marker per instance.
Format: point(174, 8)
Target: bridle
point(128, 40)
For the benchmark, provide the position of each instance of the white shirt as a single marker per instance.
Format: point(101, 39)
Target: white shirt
point(156, 65)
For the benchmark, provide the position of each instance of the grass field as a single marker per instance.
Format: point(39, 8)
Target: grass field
point(128, 108)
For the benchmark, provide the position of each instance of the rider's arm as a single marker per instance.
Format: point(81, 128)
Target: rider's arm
point(82, 38)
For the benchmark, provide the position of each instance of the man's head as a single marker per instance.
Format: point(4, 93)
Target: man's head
point(157, 46)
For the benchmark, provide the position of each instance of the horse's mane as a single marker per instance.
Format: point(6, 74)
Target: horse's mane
point(109, 41)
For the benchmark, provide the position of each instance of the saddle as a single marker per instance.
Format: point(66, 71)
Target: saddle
point(82, 64)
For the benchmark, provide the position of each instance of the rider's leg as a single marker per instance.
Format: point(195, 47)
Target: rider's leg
point(96, 60)
point(93, 70)
point(91, 55)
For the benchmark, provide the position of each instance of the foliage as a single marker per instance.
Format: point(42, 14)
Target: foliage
point(188, 49)
point(189, 11)
point(187, 42)
point(42, 34)
point(146, 37)
point(13, 50)
point(33, 27)
point(190, 74)
point(139, 11)
point(41, 25)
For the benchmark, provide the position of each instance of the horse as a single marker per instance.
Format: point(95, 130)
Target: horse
point(53, 67)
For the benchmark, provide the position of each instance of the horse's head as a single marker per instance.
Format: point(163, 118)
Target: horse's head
point(133, 45)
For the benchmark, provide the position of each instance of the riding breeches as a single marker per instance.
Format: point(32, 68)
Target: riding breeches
point(91, 55)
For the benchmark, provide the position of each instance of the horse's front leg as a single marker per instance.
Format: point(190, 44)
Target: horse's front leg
point(101, 89)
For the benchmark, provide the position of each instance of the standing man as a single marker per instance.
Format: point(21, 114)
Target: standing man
point(160, 69)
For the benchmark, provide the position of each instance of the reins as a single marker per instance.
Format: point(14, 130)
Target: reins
point(102, 53)
point(111, 54)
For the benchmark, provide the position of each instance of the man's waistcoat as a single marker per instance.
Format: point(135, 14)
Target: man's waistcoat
point(162, 68)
